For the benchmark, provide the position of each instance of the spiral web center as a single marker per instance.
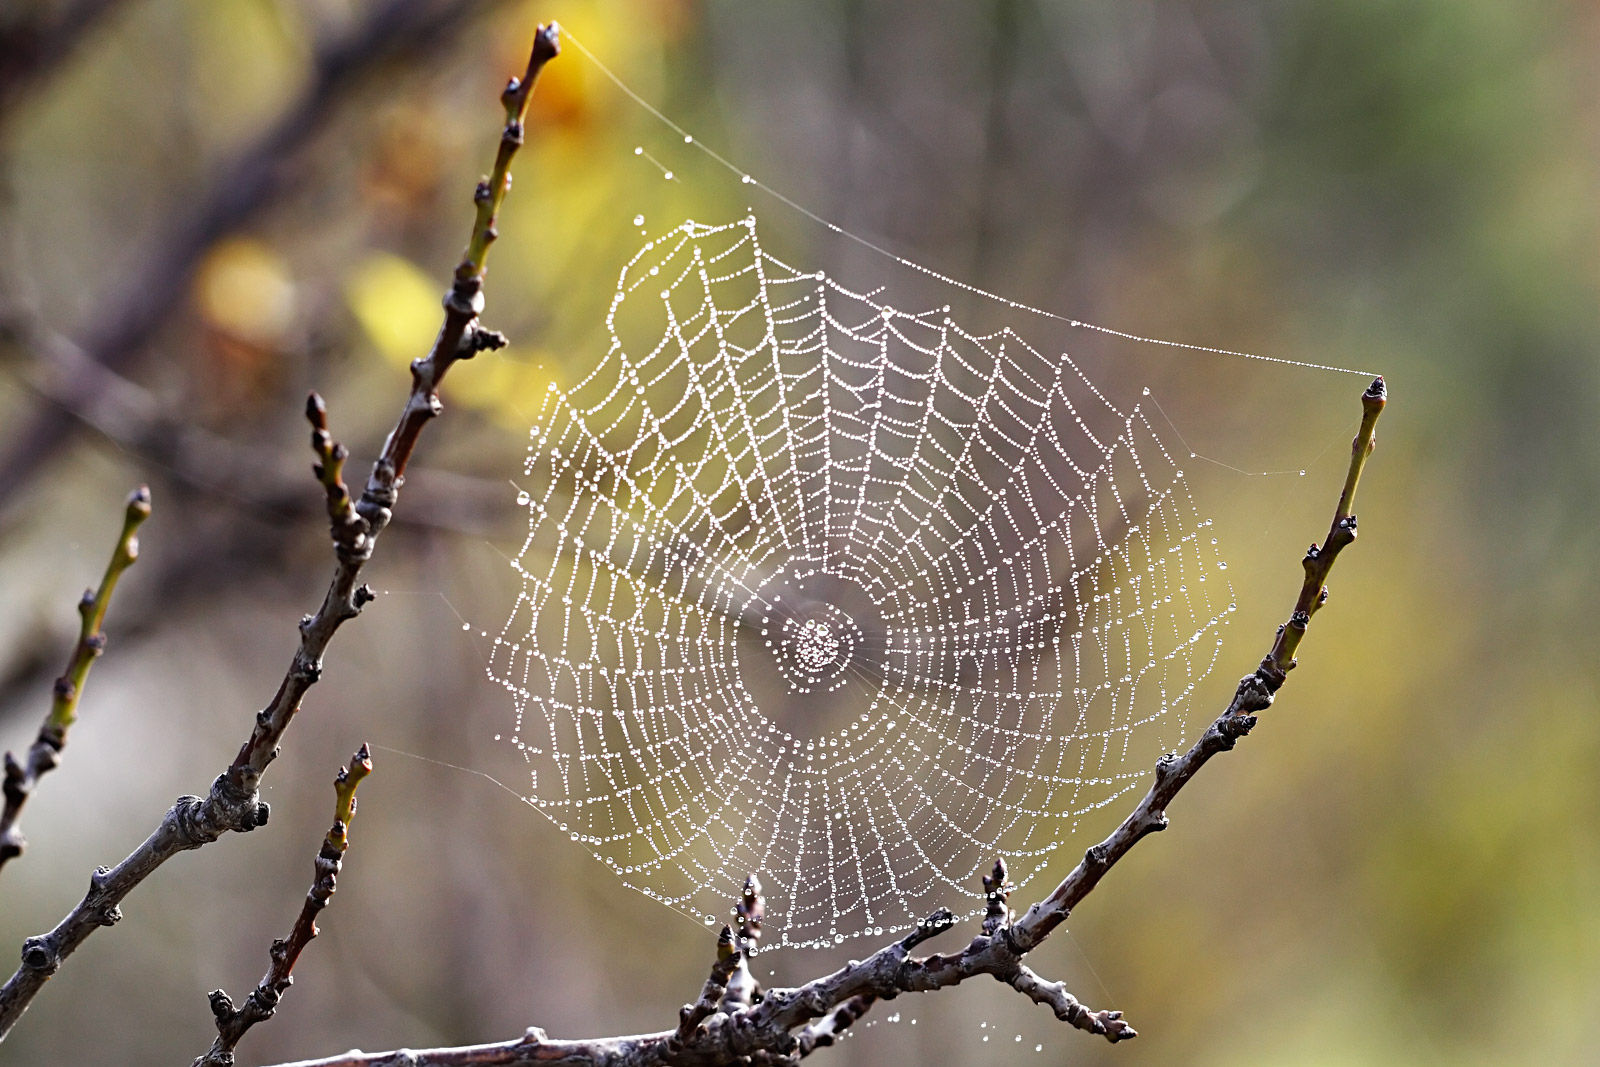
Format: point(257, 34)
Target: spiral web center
point(842, 594)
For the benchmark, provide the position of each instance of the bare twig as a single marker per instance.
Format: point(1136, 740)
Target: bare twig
point(784, 1025)
point(261, 174)
point(232, 1022)
point(233, 803)
point(45, 752)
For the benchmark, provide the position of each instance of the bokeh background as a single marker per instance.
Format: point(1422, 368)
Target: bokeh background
point(208, 207)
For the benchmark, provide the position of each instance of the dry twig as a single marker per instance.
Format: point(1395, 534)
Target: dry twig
point(782, 1026)
point(233, 803)
point(232, 1022)
point(45, 752)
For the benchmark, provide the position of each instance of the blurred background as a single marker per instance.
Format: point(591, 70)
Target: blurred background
point(208, 207)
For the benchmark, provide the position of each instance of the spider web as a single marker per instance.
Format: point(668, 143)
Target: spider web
point(840, 594)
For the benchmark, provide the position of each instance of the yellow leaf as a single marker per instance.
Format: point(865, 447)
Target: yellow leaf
point(397, 305)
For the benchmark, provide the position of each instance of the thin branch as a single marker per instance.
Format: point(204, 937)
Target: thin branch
point(261, 174)
point(233, 1023)
point(784, 1025)
point(233, 803)
point(45, 752)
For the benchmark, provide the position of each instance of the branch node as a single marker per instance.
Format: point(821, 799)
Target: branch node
point(39, 954)
point(478, 339)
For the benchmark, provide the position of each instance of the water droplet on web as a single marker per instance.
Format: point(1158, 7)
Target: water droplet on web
point(638, 220)
point(754, 525)
point(523, 499)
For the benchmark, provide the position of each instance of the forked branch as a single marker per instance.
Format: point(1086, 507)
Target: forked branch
point(233, 802)
point(783, 1026)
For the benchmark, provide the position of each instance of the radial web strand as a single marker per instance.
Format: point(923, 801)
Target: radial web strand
point(841, 594)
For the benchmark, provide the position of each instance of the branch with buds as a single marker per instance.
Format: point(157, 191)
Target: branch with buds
point(233, 803)
point(262, 1003)
point(735, 1021)
point(21, 777)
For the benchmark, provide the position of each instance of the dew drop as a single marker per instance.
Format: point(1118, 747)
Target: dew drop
point(638, 220)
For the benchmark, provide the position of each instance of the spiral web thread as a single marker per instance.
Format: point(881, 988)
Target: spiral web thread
point(840, 594)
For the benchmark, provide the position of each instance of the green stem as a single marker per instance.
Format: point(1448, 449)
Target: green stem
point(92, 609)
point(45, 753)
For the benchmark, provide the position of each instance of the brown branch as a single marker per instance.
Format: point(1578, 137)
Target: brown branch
point(260, 175)
point(784, 1025)
point(45, 752)
point(233, 803)
point(232, 1022)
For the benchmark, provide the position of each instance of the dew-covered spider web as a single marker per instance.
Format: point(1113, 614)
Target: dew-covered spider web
point(842, 594)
